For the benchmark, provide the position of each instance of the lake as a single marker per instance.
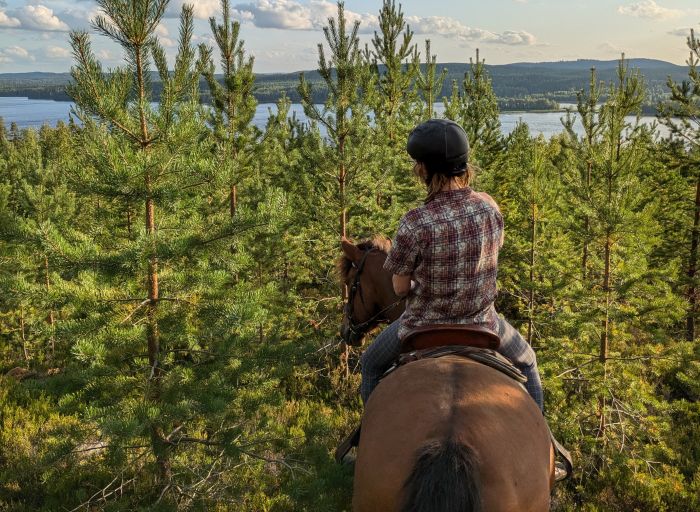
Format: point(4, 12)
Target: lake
point(34, 113)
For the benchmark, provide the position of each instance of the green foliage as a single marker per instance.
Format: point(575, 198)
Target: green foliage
point(428, 81)
point(475, 107)
point(220, 388)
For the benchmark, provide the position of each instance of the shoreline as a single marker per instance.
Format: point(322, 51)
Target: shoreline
point(519, 111)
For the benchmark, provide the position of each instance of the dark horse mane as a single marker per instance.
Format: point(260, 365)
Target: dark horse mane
point(380, 243)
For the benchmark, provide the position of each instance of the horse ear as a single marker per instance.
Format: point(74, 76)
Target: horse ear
point(350, 250)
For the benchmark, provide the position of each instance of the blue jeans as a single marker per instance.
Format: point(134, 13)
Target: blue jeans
point(386, 348)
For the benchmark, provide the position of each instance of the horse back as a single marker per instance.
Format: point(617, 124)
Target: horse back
point(454, 400)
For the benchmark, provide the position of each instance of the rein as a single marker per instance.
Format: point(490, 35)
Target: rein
point(361, 328)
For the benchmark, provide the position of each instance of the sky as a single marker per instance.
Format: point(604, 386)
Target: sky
point(283, 35)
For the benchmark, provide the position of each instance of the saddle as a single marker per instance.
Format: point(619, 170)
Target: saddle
point(475, 342)
point(443, 335)
point(485, 356)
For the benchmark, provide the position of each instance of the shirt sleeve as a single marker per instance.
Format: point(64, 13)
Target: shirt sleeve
point(499, 215)
point(404, 255)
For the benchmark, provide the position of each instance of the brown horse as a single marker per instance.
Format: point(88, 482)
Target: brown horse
point(445, 434)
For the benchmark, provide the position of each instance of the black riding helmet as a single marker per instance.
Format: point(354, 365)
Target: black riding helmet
point(441, 145)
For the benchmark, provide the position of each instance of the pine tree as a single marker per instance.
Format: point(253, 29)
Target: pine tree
point(526, 188)
point(588, 111)
point(396, 110)
point(233, 102)
point(428, 82)
point(475, 107)
point(618, 171)
point(344, 117)
point(393, 50)
point(137, 152)
point(681, 114)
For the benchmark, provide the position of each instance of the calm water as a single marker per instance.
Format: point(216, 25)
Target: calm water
point(33, 113)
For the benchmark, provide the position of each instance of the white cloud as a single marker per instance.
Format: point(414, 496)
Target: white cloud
point(323, 9)
point(292, 15)
point(58, 52)
point(164, 36)
point(16, 51)
point(202, 9)
point(284, 14)
point(13, 53)
point(449, 27)
point(516, 38)
point(649, 9)
point(8, 21)
point(39, 17)
point(79, 16)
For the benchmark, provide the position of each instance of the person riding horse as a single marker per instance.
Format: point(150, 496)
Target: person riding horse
point(444, 258)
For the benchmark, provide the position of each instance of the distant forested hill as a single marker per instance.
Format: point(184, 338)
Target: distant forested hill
point(557, 80)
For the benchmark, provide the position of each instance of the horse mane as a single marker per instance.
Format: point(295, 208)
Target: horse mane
point(378, 242)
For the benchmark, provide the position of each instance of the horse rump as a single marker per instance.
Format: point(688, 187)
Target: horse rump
point(445, 478)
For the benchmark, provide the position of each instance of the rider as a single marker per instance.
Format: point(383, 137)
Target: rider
point(444, 257)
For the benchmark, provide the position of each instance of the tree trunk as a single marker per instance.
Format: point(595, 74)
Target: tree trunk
point(342, 177)
point(159, 442)
point(603, 356)
point(51, 319)
point(692, 267)
point(23, 334)
point(586, 225)
point(233, 200)
point(533, 241)
point(584, 259)
point(430, 79)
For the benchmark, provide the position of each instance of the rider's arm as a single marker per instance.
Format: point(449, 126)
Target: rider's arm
point(402, 284)
point(404, 256)
point(493, 203)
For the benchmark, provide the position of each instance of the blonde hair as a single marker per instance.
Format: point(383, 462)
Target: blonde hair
point(438, 181)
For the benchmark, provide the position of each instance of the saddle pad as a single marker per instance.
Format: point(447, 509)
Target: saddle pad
point(486, 356)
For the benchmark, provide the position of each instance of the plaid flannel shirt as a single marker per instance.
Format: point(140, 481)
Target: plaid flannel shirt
point(450, 248)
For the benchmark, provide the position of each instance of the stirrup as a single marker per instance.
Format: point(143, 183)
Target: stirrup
point(348, 443)
point(560, 472)
point(563, 468)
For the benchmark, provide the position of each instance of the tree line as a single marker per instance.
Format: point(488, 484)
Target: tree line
point(170, 309)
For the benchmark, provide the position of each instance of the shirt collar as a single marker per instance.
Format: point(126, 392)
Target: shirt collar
point(446, 194)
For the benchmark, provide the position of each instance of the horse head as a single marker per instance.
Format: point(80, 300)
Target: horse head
point(371, 299)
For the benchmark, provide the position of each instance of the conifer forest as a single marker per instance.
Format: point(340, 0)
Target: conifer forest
point(169, 300)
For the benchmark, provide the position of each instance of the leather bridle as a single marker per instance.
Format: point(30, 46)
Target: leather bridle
point(361, 329)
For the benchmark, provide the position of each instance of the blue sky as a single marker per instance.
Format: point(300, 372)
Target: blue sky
point(283, 34)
